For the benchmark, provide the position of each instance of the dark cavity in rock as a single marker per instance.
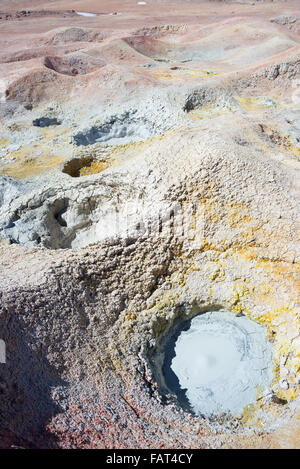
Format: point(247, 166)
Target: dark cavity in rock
point(45, 122)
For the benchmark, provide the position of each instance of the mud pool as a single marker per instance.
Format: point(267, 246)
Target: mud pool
point(116, 131)
point(219, 363)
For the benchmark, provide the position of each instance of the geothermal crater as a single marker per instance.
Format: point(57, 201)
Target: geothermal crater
point(150, 224)
point(217, 363)
point(75, 64)
point(117, 130)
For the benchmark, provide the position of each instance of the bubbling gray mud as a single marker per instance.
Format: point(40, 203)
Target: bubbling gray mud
point(221, 362)
point(117, 130)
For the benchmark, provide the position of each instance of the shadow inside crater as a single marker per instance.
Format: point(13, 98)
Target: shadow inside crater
point(171, 379)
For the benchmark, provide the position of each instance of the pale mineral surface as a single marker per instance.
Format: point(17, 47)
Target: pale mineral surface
point(149, 180)
point(221, 360)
